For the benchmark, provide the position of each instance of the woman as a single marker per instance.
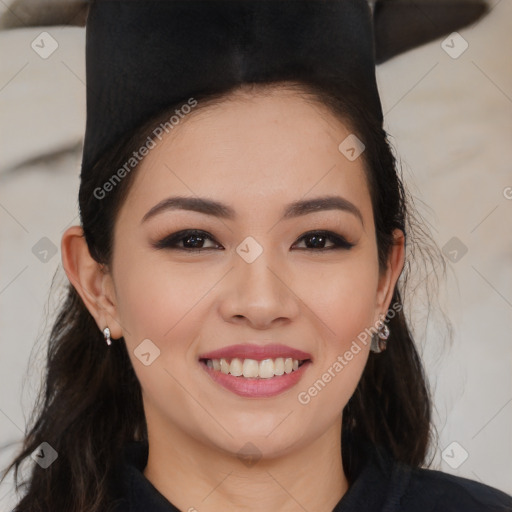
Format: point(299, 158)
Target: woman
point(234, 335)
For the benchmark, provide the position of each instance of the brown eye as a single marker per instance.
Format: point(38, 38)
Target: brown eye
point(317, 240)
point(192, 239)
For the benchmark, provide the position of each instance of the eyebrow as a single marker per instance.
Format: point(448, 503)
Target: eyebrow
point(217, 209)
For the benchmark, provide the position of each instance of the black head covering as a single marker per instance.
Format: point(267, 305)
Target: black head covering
point(145, 55)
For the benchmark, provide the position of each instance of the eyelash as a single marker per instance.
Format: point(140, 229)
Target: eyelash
point(170, 241)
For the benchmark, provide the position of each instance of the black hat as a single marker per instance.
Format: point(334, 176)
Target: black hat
point(144, 55)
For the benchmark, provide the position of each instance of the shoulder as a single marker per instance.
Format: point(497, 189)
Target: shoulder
point(433, 490)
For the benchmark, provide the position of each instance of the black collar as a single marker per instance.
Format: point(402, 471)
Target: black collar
point(379, 485)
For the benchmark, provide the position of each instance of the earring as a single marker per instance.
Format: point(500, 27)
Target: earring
point(379, 340)
point(106, 335)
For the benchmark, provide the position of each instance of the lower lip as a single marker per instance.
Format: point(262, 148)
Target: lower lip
point(257, 388)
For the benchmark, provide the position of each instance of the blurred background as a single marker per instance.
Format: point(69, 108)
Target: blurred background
point(446, 86)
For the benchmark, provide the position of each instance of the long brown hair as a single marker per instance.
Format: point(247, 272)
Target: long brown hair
point(90, 403)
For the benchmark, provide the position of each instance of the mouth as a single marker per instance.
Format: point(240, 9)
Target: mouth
point(246, 368)
point(256, 371)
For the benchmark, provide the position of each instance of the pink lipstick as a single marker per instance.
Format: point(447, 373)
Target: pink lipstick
point(256, 371)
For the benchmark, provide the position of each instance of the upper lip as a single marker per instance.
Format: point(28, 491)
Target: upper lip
point(257, 352)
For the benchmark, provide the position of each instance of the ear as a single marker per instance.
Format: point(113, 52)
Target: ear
point(90, 279)
point(388, 279)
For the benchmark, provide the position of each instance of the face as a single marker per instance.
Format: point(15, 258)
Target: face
point(308, 280)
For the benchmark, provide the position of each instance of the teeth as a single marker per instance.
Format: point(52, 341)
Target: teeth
point(224, 366)
point(279, 366)
point(236, 367)
point(250, 368)
point(266, 369)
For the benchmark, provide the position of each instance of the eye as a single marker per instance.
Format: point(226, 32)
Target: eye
point(317, 240)
point(194, 240)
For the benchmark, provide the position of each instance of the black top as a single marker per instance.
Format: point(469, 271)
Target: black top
point(383, 485)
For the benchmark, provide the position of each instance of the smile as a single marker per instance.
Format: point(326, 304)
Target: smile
point(250, 378)
point(251, 368)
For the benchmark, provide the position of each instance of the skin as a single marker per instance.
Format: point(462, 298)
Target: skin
point(256, 152)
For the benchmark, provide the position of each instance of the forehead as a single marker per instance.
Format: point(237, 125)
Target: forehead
point(254, 151)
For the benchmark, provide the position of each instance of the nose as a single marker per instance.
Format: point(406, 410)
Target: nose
point(259, 294)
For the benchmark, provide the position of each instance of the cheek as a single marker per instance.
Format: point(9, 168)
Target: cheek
point(342, 296)
point(158, 300)
point(343, 303)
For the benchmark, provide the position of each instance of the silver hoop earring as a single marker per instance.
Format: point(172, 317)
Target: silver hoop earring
point(106, 335)
point(379, 340)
